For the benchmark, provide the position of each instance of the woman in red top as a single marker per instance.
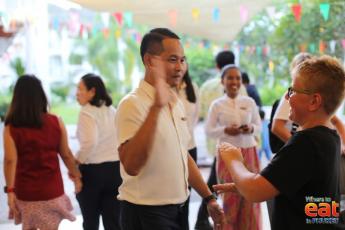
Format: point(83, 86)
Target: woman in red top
point(33, 139)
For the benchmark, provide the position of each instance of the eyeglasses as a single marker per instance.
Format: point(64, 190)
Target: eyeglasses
point(292, 90)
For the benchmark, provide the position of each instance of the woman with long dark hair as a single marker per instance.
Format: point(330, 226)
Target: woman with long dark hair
point(33, 139)
point(98, 156)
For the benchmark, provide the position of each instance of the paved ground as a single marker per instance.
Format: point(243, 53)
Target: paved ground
point(203, 157)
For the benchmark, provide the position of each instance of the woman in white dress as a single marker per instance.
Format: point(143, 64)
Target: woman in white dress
point(235, 119)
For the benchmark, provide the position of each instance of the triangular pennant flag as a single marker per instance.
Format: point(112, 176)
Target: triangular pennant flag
point(322, 47)
point(56, 23)
point(105, 32)
point(343, 43)
point(271, 11)
point(118, 18)
point(216, 15)
point(117, 33)
point(244, 13)
point(138, 37)
point(302, 48)
point(297, 11)
point(173, 17)
point(252, 49)
point(332, 45)
point(241, 48)
point(195, 14)
point(247, 49)
point(128, 18)
point(265, 50)
point(95, 30)
point(324, 9)
point(81, 30)
point(259, 50)
point(271, 65)
point(312, 48)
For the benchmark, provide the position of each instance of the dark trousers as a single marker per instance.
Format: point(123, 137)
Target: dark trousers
point(98, 195)
point(193, 153)
point(151, 217)
point(212, 180)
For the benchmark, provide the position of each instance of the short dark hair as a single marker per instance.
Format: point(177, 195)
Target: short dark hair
point(152, 41)
point(245, 78)
point(101, 96)
point(224, 58)
point(29, 103)
point(165, 32)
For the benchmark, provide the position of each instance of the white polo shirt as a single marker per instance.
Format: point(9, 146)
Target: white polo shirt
point(164, 178)
point(96, 133)
point(282, 112)
point(226, 111)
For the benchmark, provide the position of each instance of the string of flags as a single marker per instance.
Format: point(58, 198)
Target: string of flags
point(78, 28)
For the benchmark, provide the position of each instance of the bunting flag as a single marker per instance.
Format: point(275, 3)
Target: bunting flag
point(95, 30)
point(195, 14)
point(332, 45)
point(56, 23)
point(266, 50)
point(117, 33)
point(297, 11)
point(118, 18)
point(216, 15)
point(259, 50)
point(271, 65)
point(324, 9)
point(252, 49)
point(138, 38)
point(128, 18)
point(312, 48)
point(303, 48)
point(322, 47)
point(106, 33)
point(271, 11)
point(81, 30)
point(247, 49)
point(173, 17)
point(207, 44)
point(244, 13)
point(343, 43)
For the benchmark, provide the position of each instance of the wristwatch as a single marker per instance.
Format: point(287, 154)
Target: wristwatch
point(8, 190)
point(213, 196)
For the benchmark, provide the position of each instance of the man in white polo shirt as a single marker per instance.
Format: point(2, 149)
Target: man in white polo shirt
point(153, 136)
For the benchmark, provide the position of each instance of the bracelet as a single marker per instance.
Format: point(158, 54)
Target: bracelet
point(210, 197)
point(9, 190)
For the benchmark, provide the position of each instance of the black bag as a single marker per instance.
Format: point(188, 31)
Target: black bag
point(275, 142)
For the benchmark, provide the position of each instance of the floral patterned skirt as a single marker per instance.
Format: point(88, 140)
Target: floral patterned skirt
point(240, 214)
point(45, 215)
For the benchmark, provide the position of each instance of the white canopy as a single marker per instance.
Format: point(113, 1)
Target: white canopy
point(192, 17)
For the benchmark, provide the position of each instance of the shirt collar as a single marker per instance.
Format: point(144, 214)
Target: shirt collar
point(147, 88)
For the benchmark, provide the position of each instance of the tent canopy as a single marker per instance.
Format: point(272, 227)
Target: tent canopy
point(192, 17)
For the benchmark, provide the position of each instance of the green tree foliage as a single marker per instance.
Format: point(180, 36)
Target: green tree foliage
point(285, 38)
point(106, 52)
point(200, 61)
